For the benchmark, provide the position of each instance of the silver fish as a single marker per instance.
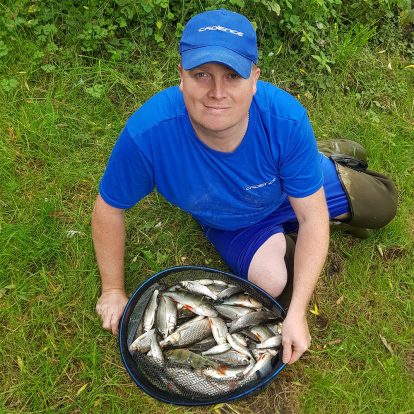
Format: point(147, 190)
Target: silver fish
point(199, 288)
point(189, 335)
point(156, 351)
point(193, 302)
point(263, 365)
point(251, 319)
point(224, 372)
point(206, 282)
point(276, 328)
point(240, 339)
point(219, 330)
point(272, 342)
point(232, 312)
point(229, 291)
point(166, 316)
point(149, 313)
point(257, 352)
point(140, 329)
point(209, 282)
point(232, 357)
point(261, 332)
point(143, 342)
point(218, 349)
point(188, 323)
point(203, 345)
point(238, 347)
point(243, 299)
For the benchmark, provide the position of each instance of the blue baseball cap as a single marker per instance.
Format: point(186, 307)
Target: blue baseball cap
point(219, 36)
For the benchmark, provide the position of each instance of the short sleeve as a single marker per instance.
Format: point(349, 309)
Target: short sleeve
point(300, 166)
point(129, 174)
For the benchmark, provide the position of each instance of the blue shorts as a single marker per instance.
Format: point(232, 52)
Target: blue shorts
point(237, 247)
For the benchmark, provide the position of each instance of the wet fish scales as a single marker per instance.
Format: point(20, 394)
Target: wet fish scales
point(251, 319)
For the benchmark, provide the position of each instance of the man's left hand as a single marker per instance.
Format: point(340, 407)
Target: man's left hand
point(295, 337)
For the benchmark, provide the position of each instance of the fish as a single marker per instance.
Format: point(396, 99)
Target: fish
point(257, 352)
point(193, 302)
point(229, 291)
point(224, 372)
point(218, 349)
point(239, 338)
point(219, 330)
point(140, 329)
point(251, 319)
point(186, 357)
point(276, 328)
point(232, 357)
point(261, 332)
point(149, 313)
point(199, 288)
point(272, 342)
point(232, 312)
point(212, 329)
point(166, 316)
point(263, 366)
point(203, 345)
point(156, 351)
point(238, 347)
point(189, 335)
point(243, 299)
point(142, 343)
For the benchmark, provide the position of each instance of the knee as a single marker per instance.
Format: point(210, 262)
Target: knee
point(270, 280)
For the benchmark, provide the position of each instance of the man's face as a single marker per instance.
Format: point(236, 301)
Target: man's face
point(217, 98)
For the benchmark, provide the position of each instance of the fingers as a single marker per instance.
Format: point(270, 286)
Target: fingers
point(292, 352)
point(287, 351)
point(110, 308)
point(110, 320)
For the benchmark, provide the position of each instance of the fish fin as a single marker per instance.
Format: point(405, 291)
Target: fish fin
point(222, 369)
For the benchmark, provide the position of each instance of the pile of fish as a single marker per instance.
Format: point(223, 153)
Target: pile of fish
point(211, 327)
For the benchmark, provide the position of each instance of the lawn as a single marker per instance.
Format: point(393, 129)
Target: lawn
point(58, 124)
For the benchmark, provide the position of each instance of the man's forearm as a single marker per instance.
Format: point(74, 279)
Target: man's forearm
point(108, 232)
point(310, 255)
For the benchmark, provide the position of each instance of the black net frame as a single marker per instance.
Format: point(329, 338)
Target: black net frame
point(169, 382)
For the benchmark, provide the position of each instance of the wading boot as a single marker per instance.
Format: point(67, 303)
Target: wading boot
point(343, 147)
point(372, 196)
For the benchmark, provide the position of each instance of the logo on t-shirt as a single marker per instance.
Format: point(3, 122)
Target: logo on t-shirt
point(251, 187)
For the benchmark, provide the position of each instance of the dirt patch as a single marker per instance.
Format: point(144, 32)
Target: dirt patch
point(335, 264)
point(410, 363)
point(392, 253)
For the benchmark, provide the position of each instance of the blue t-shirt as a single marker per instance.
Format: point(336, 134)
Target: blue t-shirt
point(158, 148)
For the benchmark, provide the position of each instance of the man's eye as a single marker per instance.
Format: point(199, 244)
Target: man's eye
point(233, 76)
point(201, 75)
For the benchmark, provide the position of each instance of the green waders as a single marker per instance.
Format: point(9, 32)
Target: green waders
point(372, 197)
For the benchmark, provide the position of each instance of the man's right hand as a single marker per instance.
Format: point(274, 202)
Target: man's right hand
point(110, 307)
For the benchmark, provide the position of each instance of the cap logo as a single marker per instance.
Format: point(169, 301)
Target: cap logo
point(222, 29)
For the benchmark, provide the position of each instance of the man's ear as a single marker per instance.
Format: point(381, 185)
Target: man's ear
point(180, 70)
point(256, 75)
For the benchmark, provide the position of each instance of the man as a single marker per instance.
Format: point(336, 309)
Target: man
point(240, 156)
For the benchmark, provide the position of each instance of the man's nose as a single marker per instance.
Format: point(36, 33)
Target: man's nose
point(217, 90)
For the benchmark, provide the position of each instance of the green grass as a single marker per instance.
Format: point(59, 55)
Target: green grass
point(55, 140)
